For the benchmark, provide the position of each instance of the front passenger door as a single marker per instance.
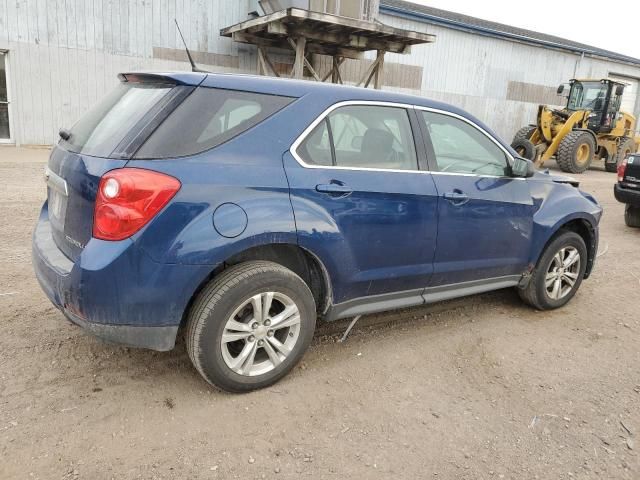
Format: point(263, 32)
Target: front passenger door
point(485, 217)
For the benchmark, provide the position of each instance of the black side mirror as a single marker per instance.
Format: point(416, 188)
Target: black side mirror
point(560, 89)
point(522, 168)
point(619, 90)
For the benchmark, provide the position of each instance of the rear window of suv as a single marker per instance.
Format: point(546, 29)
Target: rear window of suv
point(207, 118)
point(104, 126)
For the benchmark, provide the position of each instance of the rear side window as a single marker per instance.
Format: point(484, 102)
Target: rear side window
point(316, 149)
point(103, 127)
point(362, 136)
point(207, 118)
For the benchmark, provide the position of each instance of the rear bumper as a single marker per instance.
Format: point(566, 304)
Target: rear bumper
point(627, 195)
point(114, 290)
point(153, 338)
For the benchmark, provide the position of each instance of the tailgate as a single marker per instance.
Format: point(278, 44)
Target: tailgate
point(632, 173)
point(72, 183)
point(105, 138)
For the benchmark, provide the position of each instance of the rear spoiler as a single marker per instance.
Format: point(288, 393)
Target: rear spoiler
point(170, 78)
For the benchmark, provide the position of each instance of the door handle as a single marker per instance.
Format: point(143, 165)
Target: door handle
point(456, 197)
point(334, 188)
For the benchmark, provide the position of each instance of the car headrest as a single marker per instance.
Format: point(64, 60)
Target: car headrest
point(376, 141)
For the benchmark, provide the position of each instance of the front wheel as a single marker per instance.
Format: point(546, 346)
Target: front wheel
point(558, 273)
point(250, 326)
point(575, 152)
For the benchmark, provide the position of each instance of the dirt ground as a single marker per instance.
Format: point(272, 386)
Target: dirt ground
point(478, 388)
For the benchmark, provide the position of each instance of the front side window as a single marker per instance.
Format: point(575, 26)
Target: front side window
point(462, 148)
point(207, 118)
point(362, 136)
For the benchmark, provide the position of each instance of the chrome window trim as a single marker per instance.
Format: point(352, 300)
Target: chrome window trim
point(509, 157)
point(301, 138)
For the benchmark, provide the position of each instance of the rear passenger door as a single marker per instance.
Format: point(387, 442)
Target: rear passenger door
point(485, 216)
point(361, 202)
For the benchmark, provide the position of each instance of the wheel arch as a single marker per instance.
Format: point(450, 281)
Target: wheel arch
point(581, 225)
point(290, 255)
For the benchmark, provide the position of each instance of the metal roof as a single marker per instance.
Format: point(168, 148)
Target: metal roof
point(485, 27)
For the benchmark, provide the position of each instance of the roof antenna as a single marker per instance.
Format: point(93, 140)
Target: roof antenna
point(193, 64)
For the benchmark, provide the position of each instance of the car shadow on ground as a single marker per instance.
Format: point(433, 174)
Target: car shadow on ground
point(112, 365)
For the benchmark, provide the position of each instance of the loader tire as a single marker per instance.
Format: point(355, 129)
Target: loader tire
point(627, 146)
point(524, 133)
point(525, 148)
point(575, 153)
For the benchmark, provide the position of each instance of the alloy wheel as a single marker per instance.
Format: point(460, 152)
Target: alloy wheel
point(562, 273)
point(260, 333)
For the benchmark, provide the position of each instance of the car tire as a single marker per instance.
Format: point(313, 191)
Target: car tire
point(232, 343)
point(632, 216)
point(539, 292)
point(576, 151)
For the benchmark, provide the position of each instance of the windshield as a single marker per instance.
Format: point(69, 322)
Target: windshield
point(102, 128)
point(587, 96)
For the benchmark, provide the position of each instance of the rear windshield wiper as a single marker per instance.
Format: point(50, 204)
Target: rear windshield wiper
point(64, 134)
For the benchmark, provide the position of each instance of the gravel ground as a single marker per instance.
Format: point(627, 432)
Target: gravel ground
point(478, 388)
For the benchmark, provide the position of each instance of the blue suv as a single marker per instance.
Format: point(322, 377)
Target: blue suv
point(244, 208)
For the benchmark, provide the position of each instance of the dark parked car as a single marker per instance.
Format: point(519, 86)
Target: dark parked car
point(244, 208)
point(627, 190)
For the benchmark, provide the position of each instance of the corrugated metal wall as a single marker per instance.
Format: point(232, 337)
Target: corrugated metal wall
point(499, 81)
point(65, 54)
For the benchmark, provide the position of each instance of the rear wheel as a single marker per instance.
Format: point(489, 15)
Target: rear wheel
point(558, 273)
point(632, 216)
point(575, 153)
point(250, 326)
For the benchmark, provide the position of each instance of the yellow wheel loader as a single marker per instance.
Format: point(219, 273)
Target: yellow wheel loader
point(590, 126)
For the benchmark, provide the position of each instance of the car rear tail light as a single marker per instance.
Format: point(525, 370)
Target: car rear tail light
point(621, 169)
point(127, 199)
